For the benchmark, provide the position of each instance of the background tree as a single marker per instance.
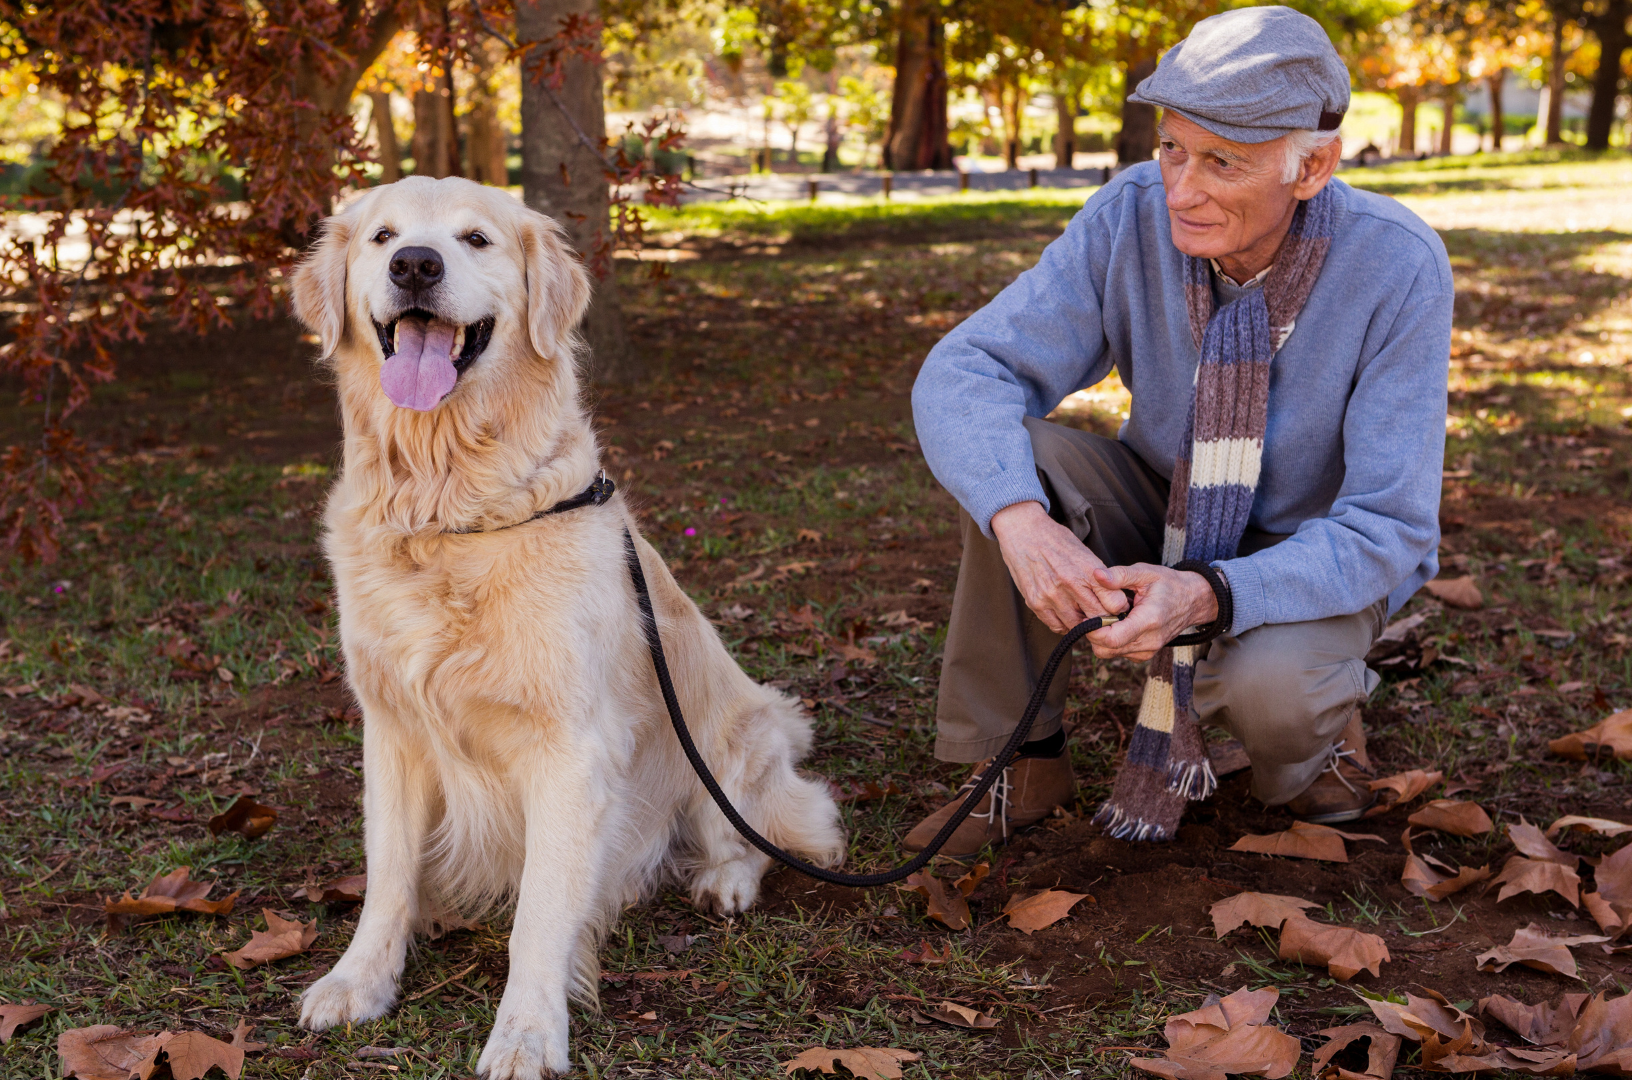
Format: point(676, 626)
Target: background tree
point(1608, 23)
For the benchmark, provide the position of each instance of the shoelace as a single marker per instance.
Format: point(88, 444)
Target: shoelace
point(999, 798)
point(1334, 765)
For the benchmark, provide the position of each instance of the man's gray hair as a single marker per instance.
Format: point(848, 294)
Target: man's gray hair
point(1299, 145)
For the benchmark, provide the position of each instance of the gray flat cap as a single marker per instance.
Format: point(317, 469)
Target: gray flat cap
point(1252, 75)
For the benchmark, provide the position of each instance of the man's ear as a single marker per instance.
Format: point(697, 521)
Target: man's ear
point(318, 287)
point(558, 286)
point(1317, 170)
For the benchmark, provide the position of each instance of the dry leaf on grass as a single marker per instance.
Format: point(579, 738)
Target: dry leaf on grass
point(346, 890)
point(1611, 736)
point(1421, 879)
point(1601, 826)
point(1533, 875)
point(1534, 948)
point(1540, 1025)
point(1458, 592)
point(865, 1062)
point(1614, 875)
point(924, 953)
point(946, 905)
point(1344, 951)
point(949, 1012)
point(1453, 816)
point(17, 1016)
point(1612, 918)
point(1226, 1036)
point(1381, 1050)
point(1401, 788)
point(1041, 909)
point(165, 894)
point(970, 881)
point(1421, 1017)
point(240, 1037)
point(104, 1052)
point(1304, 841)
point(246, 817)
point(1596, 1030)
point(1532, 842)
point(281, 938)
point(1260, 909)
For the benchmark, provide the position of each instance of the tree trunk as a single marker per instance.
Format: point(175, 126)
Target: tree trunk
point(1013, 99)
point(1555, 84)
point(1448, 104)
point(916, 138)
point(385, 133)
point(1137, 141)
point(1613, 41)
point(1065, 135)
point(563, 174)
point(830, 155)
point(1409, 98)
point(436, 139)
point(1498, 120)
point(485, 139)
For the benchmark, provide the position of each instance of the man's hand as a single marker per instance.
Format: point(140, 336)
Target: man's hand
point(1053, 570)
point(1168, 603)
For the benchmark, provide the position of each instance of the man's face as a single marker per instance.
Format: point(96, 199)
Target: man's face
point(1224, 199)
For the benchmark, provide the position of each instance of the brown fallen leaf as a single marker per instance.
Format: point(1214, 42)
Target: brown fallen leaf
point(1601, 826)
point(1533, 875)
point(240, 1037)
point(950, 1012)
point(1453, 816)
point(1541, 1025)
point(1611, 736)
point(1421, 1017)
point(1614, 876)
point(1260, 909)
point(1304, 841)
point(13, 1017)
point(1400, 788)
point(1458, 592)
point(865, 1062)
point(1420, 879)
point(1226, 1036)
point(281, 938)
point(246, 817)
point(1612, 918)
point(970, 881)
point(946, 906)
point(1451, 1059)
point(924, 953)
point(1382, 1050)
point(1532, 842)
point(105, 1052)
point(1602, 1036)
point(165, 894)
point(346, 890)
point(1041, 909)
point(1534, 948)
point(1344, 951)
point(863, 791)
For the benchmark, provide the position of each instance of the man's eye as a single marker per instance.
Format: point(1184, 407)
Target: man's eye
point(477, 240)
point(382, 236)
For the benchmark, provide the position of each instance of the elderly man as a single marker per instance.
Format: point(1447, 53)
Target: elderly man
point(1286, 341)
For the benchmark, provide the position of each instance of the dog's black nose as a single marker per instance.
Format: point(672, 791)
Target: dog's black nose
point(416, 267)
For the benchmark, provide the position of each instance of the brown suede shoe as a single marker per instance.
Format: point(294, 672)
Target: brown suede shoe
point(1027, 792)
point(1339, 793)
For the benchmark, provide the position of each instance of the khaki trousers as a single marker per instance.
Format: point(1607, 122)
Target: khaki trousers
point(1285, 691)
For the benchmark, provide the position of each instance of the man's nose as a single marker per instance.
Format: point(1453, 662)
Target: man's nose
point(1183, 193)
point(416, 267)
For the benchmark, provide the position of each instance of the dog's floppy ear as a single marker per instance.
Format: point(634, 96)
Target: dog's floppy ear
point(558, 286)
point(318, 288)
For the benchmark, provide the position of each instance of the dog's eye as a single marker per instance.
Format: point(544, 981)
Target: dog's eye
point(477, 240)
point(382, 236)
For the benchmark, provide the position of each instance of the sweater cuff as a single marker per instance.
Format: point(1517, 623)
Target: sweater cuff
point(1005, 489)
point(1246, 593)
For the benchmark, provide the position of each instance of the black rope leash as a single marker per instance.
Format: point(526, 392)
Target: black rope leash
point(859, 881)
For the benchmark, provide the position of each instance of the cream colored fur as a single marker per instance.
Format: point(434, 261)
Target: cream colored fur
point(515, 745)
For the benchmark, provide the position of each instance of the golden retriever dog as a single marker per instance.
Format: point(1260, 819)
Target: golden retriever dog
point(515, 744)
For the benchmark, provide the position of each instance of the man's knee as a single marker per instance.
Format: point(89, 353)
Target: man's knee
point(1285, 703)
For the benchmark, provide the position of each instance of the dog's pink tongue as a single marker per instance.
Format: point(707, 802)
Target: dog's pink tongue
point(421, 372)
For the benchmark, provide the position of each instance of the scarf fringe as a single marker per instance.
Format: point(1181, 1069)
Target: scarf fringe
point(1192, 780)
point(1120, 825)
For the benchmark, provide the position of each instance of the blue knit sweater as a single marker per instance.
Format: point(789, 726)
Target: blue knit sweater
point(1357, 402)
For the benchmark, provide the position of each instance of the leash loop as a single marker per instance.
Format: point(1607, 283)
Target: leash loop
point(994, 772)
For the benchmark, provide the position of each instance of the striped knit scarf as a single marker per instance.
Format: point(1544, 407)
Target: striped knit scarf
point(1214, 480)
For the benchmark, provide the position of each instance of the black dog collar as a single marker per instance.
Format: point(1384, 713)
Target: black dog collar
point(599, 490)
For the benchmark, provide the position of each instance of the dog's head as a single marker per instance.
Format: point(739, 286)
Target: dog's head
point(439, 283)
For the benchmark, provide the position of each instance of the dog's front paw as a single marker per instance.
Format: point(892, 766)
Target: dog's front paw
point(728, 888)
point(339, 997)
point(525, 1048)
